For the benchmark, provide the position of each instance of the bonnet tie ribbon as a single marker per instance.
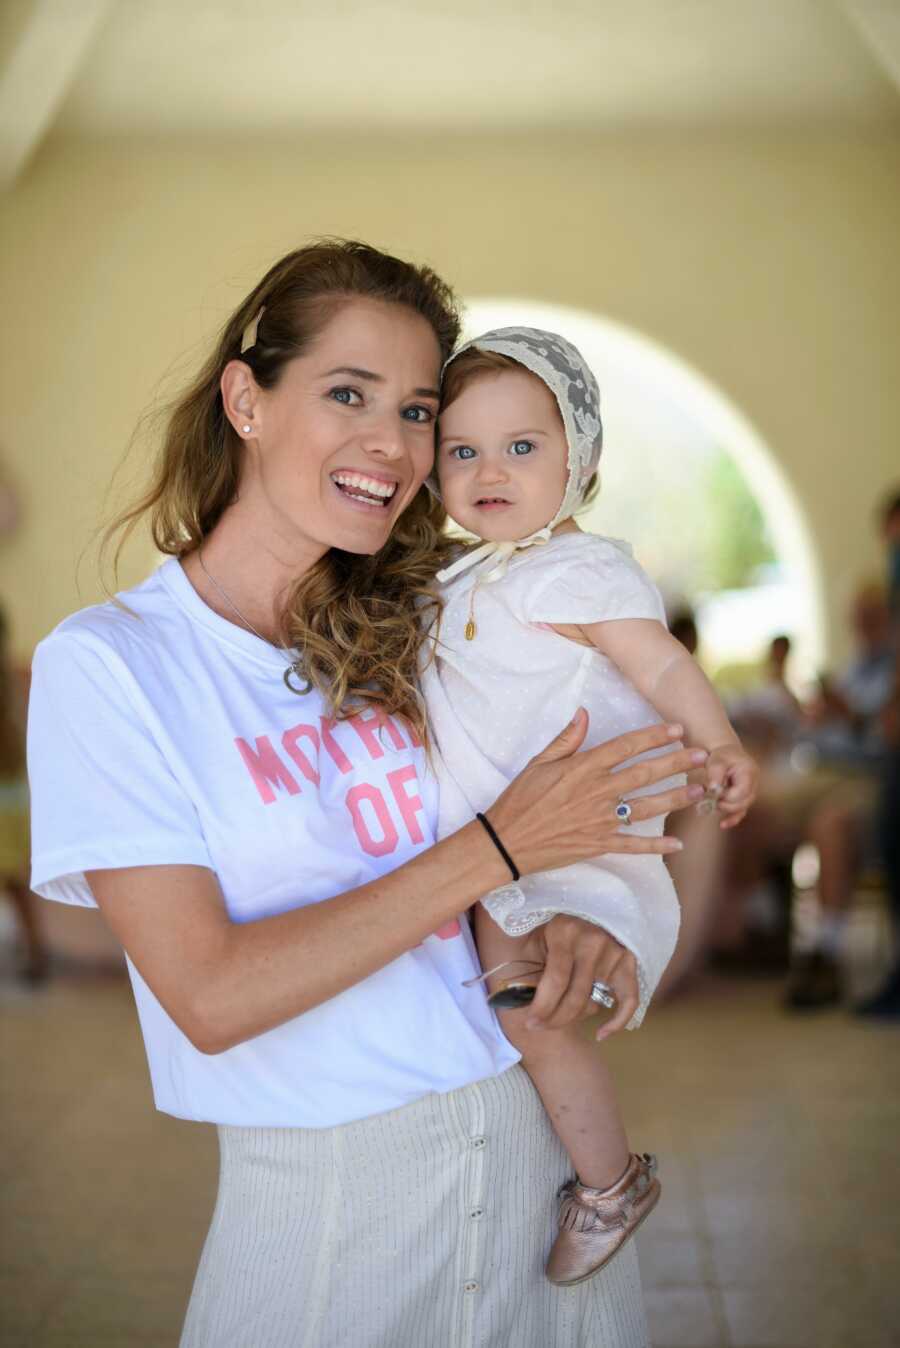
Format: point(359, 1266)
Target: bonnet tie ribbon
point(499, 553)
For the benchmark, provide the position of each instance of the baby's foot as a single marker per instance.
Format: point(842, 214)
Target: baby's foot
point(595, 1223)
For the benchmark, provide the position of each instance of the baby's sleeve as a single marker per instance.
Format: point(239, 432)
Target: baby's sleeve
point(103, 795)
point(594, 580)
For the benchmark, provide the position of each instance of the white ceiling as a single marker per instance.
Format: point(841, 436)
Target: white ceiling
point(164, 66)
point(254, 67)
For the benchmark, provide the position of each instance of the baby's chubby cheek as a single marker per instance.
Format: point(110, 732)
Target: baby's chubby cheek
point(452, 494)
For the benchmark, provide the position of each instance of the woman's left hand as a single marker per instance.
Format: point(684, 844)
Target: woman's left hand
point(578, 954)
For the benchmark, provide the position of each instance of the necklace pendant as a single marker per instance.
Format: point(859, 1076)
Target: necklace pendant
point(304, 684)
point(470, 630)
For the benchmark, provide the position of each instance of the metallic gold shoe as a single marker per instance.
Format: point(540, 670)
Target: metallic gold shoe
point(595, 1223)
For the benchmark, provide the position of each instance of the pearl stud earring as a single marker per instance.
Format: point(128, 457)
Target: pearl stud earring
point(247, 428)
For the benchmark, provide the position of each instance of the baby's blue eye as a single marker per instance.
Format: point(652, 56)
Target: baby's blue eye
point(462, 452)
point(418, 413)
point(521, 447)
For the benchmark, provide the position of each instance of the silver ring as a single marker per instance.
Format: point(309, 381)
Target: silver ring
point(623, 811)
point(602, 994)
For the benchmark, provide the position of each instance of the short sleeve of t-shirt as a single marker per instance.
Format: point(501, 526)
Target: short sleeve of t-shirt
point(591, 580)
point(102, 793)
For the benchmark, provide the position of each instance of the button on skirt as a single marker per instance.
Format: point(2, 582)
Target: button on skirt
point(425, 1227)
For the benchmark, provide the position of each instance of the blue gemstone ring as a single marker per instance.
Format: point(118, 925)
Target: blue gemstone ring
point(623, 812)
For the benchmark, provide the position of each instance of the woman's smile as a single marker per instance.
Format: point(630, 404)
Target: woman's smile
point(366, 488)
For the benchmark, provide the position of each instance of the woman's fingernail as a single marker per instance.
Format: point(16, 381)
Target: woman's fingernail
point(699, 756)
point(676, 845)
point(675, 731)
point(696, 792)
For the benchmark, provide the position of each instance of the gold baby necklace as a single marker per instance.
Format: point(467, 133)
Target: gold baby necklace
point(471, 629)
point(500, 554)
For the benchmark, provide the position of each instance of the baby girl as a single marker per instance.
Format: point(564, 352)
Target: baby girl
point(539, 620)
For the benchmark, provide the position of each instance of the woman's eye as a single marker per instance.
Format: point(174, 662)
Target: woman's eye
point(420, 414)
point(521, 447)
point(350, 397)
point(462, 452)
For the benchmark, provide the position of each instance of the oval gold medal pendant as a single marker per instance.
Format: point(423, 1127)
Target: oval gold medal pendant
point(470, 630)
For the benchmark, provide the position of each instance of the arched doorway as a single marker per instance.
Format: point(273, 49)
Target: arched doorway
point(664, 421)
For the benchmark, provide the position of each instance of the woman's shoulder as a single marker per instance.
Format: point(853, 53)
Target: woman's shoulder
point(121, 624)
point(103, 665)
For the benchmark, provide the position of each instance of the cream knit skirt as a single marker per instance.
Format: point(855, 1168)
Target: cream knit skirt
point(426, 1227)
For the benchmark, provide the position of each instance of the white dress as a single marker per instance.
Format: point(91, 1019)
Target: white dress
point(496, 701)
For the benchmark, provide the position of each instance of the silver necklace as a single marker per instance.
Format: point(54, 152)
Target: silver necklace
point(294, 666)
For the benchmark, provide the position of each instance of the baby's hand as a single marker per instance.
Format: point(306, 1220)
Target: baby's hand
point(731, 781)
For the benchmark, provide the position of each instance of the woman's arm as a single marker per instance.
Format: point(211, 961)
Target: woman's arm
point(669, 678)
point(224, 982)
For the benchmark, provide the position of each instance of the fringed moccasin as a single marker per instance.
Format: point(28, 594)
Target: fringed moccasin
point(594, 1224)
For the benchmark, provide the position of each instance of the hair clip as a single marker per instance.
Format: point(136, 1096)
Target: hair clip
point(248, 337)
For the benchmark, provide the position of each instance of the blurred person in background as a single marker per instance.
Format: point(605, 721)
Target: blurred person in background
point(770, 714)
point(14, 814)
point(818, 786)
point(696, 871)
point(842, 721)
point(845, 732)
point(683, 627)
point(749, 932)
point(886, 1003)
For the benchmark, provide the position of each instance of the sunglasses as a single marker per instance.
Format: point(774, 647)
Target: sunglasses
point(515, 992)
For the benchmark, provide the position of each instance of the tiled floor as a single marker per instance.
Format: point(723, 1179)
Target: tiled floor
point(779, 1225)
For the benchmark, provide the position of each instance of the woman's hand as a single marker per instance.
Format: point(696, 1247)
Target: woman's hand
point(562, 806)
point(577, 954)
point(224, 982)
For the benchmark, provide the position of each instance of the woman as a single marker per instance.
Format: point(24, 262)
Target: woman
point(229, 762)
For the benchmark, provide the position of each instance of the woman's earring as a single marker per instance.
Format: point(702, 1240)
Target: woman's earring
point(247, 428)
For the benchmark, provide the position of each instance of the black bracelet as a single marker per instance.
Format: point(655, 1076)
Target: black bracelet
point(492, 834)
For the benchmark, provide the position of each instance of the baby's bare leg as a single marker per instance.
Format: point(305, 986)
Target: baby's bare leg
point(571, 1077)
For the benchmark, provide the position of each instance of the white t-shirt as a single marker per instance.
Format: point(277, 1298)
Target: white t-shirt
point(166, 735)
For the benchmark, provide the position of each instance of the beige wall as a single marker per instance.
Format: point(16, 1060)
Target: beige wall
point(770, 263)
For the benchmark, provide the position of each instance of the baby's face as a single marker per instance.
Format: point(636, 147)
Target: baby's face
point(502, 459)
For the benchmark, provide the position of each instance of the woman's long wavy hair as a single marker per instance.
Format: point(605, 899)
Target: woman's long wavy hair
point(357, 621)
